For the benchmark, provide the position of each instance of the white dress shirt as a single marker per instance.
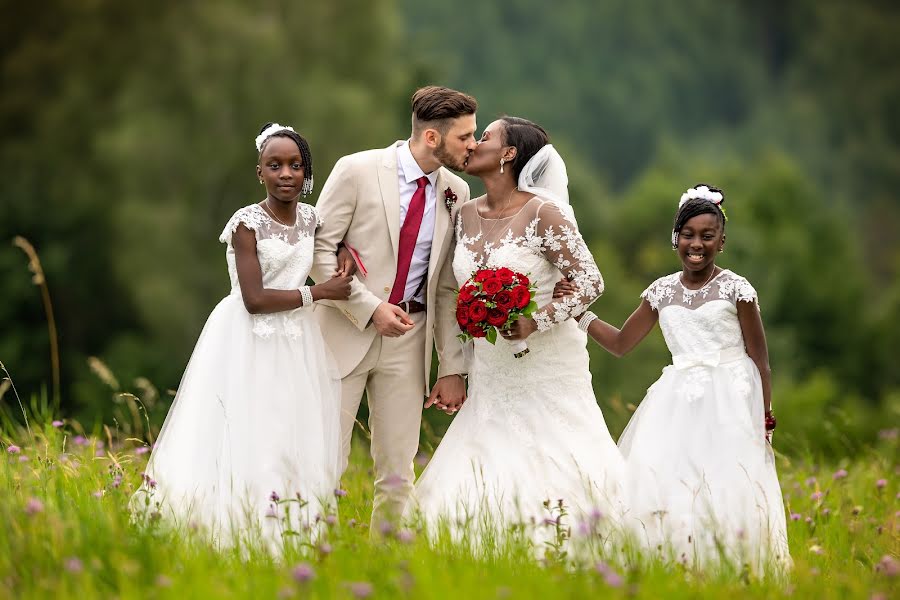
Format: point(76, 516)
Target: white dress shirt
point(408, 171)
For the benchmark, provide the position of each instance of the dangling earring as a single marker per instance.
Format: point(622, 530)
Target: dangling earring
point(721, 250)
point(261, 182)
point(502, 160)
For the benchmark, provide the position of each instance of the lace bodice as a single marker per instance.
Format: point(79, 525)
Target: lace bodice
point(703, 320)
point(285, 253)
point(542, 241)
point(285, 256)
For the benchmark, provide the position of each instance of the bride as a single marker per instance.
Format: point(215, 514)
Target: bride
point(530, 441)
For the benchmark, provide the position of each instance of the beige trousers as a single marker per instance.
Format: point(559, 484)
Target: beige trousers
point(391, 375)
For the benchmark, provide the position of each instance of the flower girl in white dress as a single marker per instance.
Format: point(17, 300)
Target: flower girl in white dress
point(251, 445)
point(702, 478)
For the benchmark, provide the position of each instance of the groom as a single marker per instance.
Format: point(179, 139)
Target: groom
point(395, 207)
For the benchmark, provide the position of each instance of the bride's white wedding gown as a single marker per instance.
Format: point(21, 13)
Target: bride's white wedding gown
point(530, 430)
point(258, 407)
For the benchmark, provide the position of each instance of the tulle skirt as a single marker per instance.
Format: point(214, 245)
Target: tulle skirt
point(250, 448)
point(529, 444)
point(702, 478)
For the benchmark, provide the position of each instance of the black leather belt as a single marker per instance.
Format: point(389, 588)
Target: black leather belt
point(411, 307)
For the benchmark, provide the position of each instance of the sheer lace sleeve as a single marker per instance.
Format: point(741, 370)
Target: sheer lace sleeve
point(556, 235)
point(660, 291)
point(253, 217)
point(737, 289)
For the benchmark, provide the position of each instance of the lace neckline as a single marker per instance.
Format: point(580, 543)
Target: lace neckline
point(262, 209)
point(515, 214)
point(689, 292)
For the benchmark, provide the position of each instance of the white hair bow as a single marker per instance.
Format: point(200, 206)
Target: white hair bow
point(267, 133)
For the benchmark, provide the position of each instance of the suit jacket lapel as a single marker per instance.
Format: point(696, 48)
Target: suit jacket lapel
point(390, 193)
point(441, 228)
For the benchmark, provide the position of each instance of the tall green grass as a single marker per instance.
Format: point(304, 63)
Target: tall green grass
point(67, 533)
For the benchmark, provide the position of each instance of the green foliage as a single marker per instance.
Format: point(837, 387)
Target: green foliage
point(126, 145)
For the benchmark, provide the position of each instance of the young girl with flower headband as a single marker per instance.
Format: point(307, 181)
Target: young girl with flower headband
point(701, 469)
point(251, 444)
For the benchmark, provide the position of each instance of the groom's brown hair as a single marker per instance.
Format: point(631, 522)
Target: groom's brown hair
point(434, 106)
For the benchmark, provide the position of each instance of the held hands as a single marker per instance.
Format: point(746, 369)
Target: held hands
point(564, 287)
point(391, 320)
point(448, 394)
point(336, 288)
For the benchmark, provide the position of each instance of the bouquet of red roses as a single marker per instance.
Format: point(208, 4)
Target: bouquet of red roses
point(492, 300)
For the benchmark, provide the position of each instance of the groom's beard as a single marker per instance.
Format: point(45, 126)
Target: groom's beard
point(447, 159)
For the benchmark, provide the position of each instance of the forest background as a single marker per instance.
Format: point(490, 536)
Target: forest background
point(126, 142)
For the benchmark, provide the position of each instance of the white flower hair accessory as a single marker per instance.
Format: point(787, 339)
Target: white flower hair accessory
point(701, 192)
point(267, 133)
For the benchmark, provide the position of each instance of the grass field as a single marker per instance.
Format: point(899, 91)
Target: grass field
point(66, 534)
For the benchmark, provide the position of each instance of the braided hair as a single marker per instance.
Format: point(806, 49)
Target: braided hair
point(694, 206)
point(305, 153)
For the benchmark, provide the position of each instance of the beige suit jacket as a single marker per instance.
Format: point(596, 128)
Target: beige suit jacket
point(360, 204)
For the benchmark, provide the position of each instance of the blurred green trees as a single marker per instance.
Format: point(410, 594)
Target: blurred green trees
point(127, 142)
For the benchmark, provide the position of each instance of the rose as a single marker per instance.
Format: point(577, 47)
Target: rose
point(492, 286)
point(462, 315)
point(477, 311)
point(506, 276)
point(483, 275)
point(521, 295)
point(505, 301)
point(475, 330)
point(497, 317)
point(523, 280)
point(466, 293)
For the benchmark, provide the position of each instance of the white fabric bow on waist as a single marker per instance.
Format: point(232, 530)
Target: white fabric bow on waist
point(708, 359)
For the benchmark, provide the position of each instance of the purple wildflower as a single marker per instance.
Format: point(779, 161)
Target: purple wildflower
point(810, 481)
point(406, 536)
point(361, 589)
point(385, 528)
point(795, 516)
point(33, 506)
point(73, 565)
point(57, 423)
point(331, 519)
point(881, 483)
point(24, 458)
point(888, 565)
point(142, 450)
point(839, 474)
point(302, 573)
point(274, 497)
point(340, 493)
point(13, 449)
point(816, 496)
point(325, 548)
point(80, 440)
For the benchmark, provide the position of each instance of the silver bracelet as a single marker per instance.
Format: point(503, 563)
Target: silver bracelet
point(585, 321)
point(306, 295)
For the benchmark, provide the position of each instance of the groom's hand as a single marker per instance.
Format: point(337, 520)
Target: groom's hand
point(391, 320)
point(448, 394)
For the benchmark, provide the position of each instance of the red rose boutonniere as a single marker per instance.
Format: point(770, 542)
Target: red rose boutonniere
point(450, 199)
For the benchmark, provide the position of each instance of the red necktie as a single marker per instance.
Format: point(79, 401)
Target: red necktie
point(409, 233)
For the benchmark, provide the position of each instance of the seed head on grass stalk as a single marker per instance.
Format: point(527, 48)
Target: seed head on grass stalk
point(38, 278)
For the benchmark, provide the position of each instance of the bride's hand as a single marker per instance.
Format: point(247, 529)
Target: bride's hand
point(520, 329)
point(564, 287)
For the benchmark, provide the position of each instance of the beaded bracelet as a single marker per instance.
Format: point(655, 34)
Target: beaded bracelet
point(306, 295)
point(585, 321)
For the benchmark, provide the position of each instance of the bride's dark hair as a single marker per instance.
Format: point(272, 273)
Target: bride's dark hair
point(526, 137)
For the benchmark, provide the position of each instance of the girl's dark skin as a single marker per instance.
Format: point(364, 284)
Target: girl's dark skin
point(700, 239)
point(281, 169)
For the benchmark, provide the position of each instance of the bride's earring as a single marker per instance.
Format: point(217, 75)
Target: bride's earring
point(261, 182)
point(502, 160)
